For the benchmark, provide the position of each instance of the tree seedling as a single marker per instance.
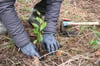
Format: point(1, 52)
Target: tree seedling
point(39, 26)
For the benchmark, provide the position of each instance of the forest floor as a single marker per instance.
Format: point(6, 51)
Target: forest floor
point(82, 49)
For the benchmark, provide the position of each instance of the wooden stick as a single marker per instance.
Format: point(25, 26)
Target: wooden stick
point(65, 23)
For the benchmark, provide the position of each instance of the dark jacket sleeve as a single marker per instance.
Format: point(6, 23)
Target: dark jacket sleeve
point(7, 0)
point(11, 21)
point(52, 14)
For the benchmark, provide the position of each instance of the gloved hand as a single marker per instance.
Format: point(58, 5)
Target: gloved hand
point(49, 43)
point(30, 50)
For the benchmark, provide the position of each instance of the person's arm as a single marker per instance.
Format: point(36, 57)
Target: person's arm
point(49, 42)
point(11, 21)
point(14, 27)
point(52, 14)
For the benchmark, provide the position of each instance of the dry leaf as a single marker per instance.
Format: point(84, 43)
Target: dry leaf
point(59, 53)
point(36, 61)
point(98, 53)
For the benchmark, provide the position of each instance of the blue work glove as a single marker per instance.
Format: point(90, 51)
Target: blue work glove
point(50, 43)
point(30, 50)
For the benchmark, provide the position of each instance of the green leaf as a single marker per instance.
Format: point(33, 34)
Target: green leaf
point(93, 42)
point(40, 20)
point(8, 46)
point(35, 25)
point(9, 39)
point(35, 41)
point(97, 37)
point(35, 30)
point(43, 26)
point(98, 33)
point(97, 42)
point(4, 44)
point(38, 13)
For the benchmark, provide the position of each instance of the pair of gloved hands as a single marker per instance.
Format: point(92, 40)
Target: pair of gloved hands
point(49, 44)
